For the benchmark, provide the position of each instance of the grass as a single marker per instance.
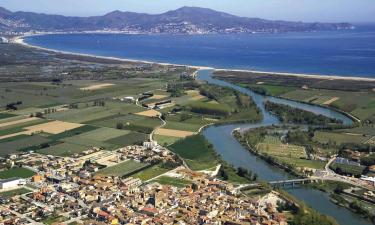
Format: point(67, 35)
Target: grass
point(196, 151)
point(274, 90)
point(122, 169)
point(164, 180)
point(165, 140)
point(54, 220)
point(129, 139)
point(6, 115)
point(63, 149)
point(338, 138)
point(21, 143)
point(131, 122)
point(16, 172)
point(74, 132)
point(288, 154)
point(104, 134)
point(150, 172)
point(348, 169)
point(12, 193)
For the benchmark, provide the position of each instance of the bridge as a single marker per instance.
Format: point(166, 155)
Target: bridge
point(294, 182)
point(282, 183)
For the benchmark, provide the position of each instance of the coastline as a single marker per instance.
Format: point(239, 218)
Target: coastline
point(20, 40)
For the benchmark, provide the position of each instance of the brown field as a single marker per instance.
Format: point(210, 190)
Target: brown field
point(371, 141)
point(331, 101)
point(195, 95)
point(157, 97)
point(96, 87)
point(149, 113)
point(28, 119)
point(173, 133)
point(54, 127)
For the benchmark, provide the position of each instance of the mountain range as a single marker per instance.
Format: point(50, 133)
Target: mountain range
point(192, 20)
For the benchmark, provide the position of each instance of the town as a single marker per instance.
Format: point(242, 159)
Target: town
point(68, 190)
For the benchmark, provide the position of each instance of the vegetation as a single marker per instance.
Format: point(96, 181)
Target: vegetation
point(196, 151)
point(122, 169)
point(150, 172)
point(12, 193)
point(288, 114)
point(210, 109)
point(177, 182)
point(16, 172)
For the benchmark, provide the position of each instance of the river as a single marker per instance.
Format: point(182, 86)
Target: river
point(235, 154)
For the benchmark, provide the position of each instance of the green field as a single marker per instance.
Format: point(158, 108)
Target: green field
point(360, 104)
point(122, 169)
point(196, 151)
point(150, 172)
point(103, 134)
point(287, 154)
point(16, 172)
point(12, 193)
point(21, 143)
point(172, 181)
point(131, 122)
point(129, 139)
point(348, 169)
point(6, 115)
point(165, 140)
point(273, 90)
point(338, 138)
point(63, 149)
point(54, 220)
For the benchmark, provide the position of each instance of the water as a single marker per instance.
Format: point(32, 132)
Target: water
point(347, 53)
point(234, 153)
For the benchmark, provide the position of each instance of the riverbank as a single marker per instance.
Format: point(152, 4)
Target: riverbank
point(21, 40)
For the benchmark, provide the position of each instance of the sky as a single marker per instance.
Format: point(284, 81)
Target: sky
point(293, 10)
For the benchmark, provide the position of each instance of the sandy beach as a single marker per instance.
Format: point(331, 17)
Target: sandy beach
point(20, 40)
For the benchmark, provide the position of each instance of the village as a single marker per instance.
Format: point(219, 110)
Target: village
point(68, 190)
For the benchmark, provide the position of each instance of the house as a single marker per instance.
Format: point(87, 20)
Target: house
point(10, 183)
point(3, 40)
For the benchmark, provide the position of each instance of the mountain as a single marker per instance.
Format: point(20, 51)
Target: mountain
point(184, 20)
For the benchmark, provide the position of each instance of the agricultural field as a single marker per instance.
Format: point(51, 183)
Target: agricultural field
point(360, 104)
point(196, 151)
point(6, 115)
point(63, 149)
point(122, 169)
point(150, 172)
point(177, 182)
point(285, 153)
point(339, 138)
point(17, 144)
point(16, 172)
point(15, 192)
point(129, 139)
point(347, 169)
point(173, 133)
point(165, 140)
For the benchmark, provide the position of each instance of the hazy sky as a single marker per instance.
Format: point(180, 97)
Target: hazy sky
point(297, 10)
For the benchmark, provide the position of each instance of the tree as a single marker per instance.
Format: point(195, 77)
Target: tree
point(120, 126)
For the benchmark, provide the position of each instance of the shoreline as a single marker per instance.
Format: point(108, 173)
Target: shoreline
point(20, 40)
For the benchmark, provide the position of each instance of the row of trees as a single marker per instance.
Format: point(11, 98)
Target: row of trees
point(289, 114)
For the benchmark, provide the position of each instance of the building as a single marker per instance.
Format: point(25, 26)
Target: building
point(3, 40)
point(10, 183)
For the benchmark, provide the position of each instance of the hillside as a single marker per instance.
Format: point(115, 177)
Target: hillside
point(184, 20)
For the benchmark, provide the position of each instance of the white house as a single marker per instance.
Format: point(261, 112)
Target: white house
point(10, 183)
point(3, 40)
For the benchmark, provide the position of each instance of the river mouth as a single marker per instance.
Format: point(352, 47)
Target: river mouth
point(235, 154)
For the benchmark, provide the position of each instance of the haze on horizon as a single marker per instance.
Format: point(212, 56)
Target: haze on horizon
point(354, 11)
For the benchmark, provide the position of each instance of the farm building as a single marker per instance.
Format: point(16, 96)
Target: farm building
point(3, 40)
point(10, 183)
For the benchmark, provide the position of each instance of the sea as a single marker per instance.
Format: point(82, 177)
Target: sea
point(342, 53)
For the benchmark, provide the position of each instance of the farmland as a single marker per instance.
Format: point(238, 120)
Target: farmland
point(16, 172)
point(177, 182)
point(122, 169)
point(288, 154)
point(196, 151)
point(150, 172)
point(9, 194)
